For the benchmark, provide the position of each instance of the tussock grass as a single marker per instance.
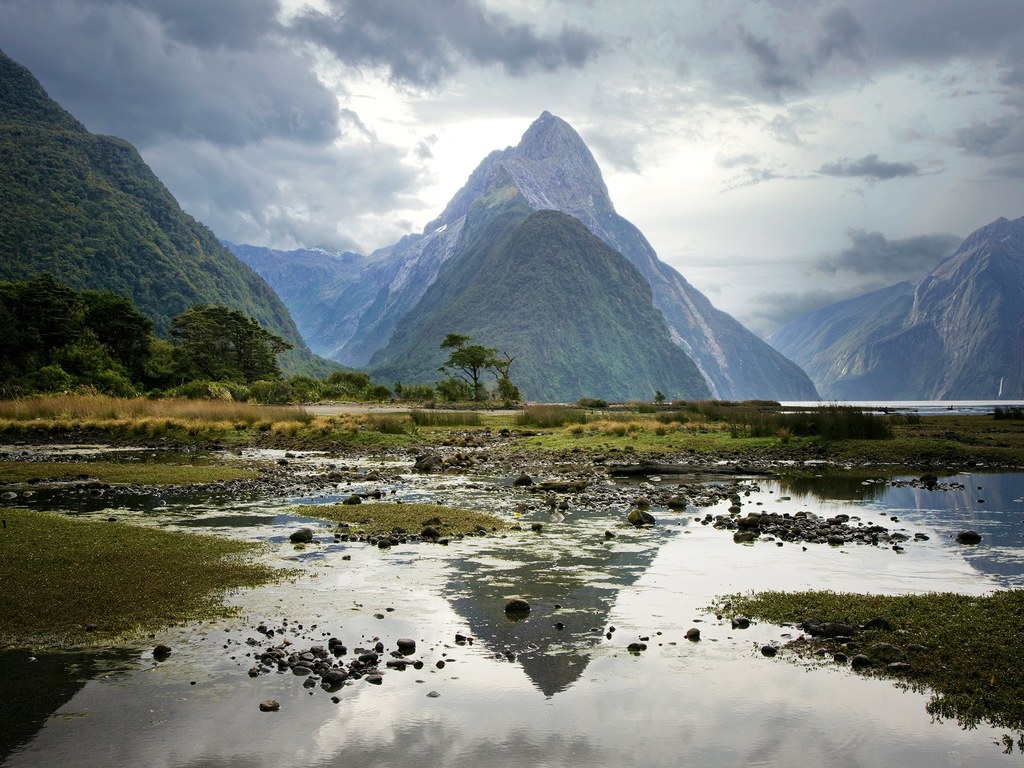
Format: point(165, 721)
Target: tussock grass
point(550, 416)
point(430, 418)
point(972, 644)
point(69, 582)
point(115, 473)
point(382, 519)
point(93, 410)
point(388, 423)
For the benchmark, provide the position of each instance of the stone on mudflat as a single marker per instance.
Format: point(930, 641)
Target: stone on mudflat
point(302, 536)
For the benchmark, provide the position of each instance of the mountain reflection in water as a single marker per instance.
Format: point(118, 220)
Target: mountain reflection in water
point(527, 693)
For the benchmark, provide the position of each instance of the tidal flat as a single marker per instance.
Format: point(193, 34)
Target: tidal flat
point(608, 639)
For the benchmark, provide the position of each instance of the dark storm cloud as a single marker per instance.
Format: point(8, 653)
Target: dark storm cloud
point(838, 35)
point(773, 73)
point(841, 36)
point(935, 30)
point(143, 75)
point(872, 253)
point(239, 192)
point(420, 43)
point(869, 167)
point(206, 24)
point(878, 35)
point(996, 138)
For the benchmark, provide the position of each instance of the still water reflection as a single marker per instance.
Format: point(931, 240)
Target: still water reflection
point(558, 688)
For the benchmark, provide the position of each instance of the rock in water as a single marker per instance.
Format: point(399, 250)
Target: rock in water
point(639, 518)
point(517, 606)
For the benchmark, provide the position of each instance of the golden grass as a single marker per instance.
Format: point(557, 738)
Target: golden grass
point(381, 519)
point(65, 581)
point(90, 410)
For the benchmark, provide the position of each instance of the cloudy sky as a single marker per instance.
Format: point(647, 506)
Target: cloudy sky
point(781, 154)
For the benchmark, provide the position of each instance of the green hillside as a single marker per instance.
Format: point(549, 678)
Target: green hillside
point(89, 211)
point(576, 315)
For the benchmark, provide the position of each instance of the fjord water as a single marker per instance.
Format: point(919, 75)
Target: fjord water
point(557, 688)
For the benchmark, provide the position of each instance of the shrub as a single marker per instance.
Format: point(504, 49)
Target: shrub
point(202, 390)
point(454, 390)
point(415, 392)
point(51, 378)
point(267, 391)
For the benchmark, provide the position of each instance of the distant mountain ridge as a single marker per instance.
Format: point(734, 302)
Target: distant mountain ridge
point(956, 334)
point(88, 210)
point(552, 169)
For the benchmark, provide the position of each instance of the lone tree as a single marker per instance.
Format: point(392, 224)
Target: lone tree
point(469, 362)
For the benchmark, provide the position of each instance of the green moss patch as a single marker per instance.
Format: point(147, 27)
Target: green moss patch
point(65, 581)
point(381, 519)
point(121, 472)
point(964, 649)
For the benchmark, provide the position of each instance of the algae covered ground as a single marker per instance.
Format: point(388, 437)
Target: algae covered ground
point(964, 650)
point(383, 519)
point(69, 582)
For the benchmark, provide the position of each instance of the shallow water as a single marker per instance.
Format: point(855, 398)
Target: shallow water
point(531, 692)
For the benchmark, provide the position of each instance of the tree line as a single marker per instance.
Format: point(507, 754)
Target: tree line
point(56, 339)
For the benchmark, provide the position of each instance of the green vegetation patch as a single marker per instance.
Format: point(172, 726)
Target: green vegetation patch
point(68, 581)
point(430, 418)
point(964, 649)
point(121, 472)
point(381, 519)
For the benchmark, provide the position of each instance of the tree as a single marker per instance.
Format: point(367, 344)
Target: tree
point(121, 328)
point(222, 344)
point(507, 391)
point(468, 362)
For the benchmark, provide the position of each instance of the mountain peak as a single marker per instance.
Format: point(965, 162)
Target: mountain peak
point(551, 137)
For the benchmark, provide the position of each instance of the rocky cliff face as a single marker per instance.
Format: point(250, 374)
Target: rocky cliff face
point(957, 334)
point(552, 169)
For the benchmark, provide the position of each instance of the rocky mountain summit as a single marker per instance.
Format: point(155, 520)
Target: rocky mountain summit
point(957, 334)
point(551, 169)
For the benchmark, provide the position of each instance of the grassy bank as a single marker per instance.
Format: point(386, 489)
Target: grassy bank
point(118, 473)
point(962, 649)
point(68, 582)
point(753, 430)
point(383, 519)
